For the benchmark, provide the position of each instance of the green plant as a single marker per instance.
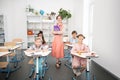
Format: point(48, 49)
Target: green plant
point(64, 13)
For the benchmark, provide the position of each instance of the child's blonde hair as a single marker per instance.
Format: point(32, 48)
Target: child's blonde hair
point(38, 38)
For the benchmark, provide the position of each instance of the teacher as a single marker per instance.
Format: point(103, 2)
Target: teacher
point(57, 44)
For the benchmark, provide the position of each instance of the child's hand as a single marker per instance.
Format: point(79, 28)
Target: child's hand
point(93, 54)
point(79, 52)
point(37, 50)
point(30, 51)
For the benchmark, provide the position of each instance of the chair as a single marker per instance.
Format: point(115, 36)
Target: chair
point(13, 53)
point(4, 65)
point(44, 64)
point(68, 58)
point(10, 44)
point(15, 40)
point(31, 62)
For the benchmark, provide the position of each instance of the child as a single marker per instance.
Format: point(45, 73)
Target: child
point(78, 62)
point(74, 38)
point(40, 35)
point(72, 41)
point(36, 47)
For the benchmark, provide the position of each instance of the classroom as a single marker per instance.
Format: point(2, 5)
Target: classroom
point(59, 39)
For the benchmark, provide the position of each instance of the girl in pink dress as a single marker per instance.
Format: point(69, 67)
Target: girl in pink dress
point(57, 44)
point(79, 48)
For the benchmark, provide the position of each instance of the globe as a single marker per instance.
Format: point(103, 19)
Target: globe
point(42, 12)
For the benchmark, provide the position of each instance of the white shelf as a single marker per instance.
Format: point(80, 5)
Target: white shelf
point(2, 36)
point(30, 15)
point(31, 35)
point(32, 22)
point(30, 41)
point(48, 21)
point(37, 23)
point(43, 21)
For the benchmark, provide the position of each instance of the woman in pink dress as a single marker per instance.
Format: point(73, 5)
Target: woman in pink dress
point(79, 48)
point(57, 44)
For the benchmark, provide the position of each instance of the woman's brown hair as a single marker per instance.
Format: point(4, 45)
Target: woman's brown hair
point(59, 16)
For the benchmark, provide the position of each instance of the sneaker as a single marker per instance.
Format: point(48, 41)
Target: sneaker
point(74, 71)
point(78, 73)
point(82, 69)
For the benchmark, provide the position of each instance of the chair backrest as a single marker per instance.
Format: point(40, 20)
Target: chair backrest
point(17, 40)
point(9, 44)
point(3, 50)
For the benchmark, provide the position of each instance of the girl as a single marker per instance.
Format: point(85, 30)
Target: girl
point(79, 48)
point(40, 34)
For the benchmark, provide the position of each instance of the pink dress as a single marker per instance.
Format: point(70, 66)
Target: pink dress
point(58, 46)
point(77, 61)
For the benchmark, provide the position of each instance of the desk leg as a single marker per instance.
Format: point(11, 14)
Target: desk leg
point(73, 78)
point(14, 59)
point(8, 70)
point(37, 69)
point(88, 64)
point(41, 74)
point(88, 75)
point(32, 71)
point(22, 55)
point(68, 58)
point(7, 58)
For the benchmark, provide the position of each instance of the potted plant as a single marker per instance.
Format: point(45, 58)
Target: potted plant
point(64, 13)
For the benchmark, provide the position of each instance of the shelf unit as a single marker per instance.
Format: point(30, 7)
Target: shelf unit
point(2, 35)
point(35, 23)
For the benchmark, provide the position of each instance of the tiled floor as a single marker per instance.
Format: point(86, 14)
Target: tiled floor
point(63, 73)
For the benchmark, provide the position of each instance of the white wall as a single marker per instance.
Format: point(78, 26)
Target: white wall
point(77, 16)
point(75, 7)
point(15, 19)
point(106, 39)
point(15, 15)
point(51, 5)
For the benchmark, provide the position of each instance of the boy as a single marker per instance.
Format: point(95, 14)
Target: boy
point(38, 47)
point(72, 41)
point(74, 38)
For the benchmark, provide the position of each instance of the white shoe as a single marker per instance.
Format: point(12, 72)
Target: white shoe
point(74, 71)
point(78, 73)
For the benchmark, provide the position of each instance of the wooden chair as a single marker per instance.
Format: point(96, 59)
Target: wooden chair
point(3, 64)
point(10, 44)
point(3, 50)
point(13, 55)
point(31, 61)
point(15, 40)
